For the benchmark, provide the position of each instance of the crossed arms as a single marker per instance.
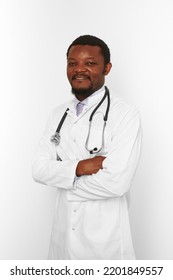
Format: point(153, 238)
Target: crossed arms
point(109, 176)
point(89, 166)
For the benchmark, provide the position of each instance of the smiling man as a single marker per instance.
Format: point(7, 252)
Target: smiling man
point(86, 69)
point(91, 159)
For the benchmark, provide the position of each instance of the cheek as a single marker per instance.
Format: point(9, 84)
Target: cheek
point(95, 75)
point(97, 78)
point(98, 73)
point(69, 73)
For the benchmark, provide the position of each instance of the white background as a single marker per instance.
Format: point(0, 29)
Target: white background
point(34, 37)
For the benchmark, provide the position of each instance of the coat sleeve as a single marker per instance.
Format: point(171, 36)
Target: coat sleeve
point(46, 169)
point(119, 167)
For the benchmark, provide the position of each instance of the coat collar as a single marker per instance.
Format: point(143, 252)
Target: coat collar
point(89, 102)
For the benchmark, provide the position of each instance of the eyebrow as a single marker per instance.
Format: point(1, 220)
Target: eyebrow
point(90, 57)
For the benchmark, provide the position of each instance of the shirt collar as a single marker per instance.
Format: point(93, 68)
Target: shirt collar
point(89, 99)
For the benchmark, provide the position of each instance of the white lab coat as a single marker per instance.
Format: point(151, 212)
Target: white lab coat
point(91, 212)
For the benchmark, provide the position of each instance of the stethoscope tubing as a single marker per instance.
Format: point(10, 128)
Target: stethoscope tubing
point(95, 150)
point(56, 137)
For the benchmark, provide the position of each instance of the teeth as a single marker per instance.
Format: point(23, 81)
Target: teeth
point(80, 78)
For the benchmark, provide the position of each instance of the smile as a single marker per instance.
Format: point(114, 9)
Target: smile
point(80, 78)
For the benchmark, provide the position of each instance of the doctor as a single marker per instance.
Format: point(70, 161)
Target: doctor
point(92, 169)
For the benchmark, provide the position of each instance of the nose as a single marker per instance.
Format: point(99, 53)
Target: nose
point(79, 68)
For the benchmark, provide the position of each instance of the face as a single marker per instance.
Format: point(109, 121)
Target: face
point(86, 70)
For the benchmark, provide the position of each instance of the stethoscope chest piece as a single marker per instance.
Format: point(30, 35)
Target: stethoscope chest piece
point(56, 138)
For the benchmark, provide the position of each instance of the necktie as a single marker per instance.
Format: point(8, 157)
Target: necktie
point(79, 108)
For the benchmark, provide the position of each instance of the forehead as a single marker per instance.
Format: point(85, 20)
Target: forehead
point(84, 51)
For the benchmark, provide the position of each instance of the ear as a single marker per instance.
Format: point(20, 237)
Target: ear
point(107, 69)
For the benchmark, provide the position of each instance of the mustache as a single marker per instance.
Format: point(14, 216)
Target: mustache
point(80, 75)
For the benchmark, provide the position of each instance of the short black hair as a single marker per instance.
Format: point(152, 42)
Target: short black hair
point(92, 41)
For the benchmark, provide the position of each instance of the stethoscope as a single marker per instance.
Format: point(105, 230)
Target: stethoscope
point(56, 137)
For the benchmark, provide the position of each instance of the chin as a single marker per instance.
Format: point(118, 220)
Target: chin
point(82, 91)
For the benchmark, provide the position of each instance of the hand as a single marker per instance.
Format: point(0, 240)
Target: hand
point(89, 166)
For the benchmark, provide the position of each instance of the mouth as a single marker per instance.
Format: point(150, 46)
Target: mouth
point(80, 77)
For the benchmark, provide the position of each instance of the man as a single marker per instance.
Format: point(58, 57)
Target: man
point(91, 214)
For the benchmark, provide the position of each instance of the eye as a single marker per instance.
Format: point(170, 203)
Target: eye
point(71, 63)
point(91, 63)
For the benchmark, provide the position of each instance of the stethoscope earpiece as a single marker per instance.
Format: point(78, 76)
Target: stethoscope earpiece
point(93, 151)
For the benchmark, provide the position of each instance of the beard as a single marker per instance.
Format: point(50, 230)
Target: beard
point(84, 92)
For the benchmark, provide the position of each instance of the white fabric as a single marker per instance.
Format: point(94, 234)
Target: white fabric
point(80, 105)
point(91, 212)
